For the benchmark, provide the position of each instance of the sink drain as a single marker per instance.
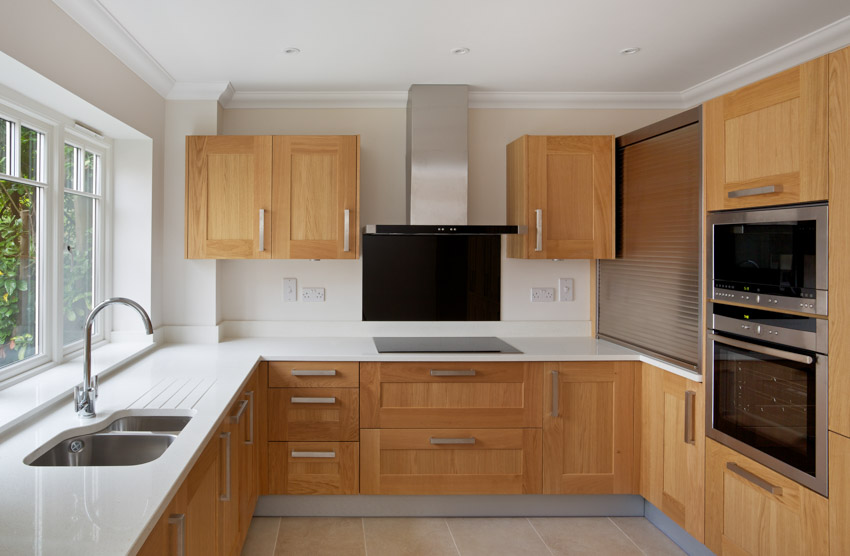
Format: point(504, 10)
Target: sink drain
point(77, 446)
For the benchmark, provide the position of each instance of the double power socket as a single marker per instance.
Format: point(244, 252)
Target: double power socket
point(308, 295)
point(547, 295)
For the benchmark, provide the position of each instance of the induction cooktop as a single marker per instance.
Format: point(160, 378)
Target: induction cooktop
point(476, 344)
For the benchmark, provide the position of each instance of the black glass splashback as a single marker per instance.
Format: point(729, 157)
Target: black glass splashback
point(431, 278)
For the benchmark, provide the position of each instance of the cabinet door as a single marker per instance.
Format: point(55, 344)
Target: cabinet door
point(751, 509)
point(461, 394)
point(247, 484)
point(673, 447)
point(164, 539)
point(839, 494)
point(230, 469)
point(313, 414)
point(450, 461)
point(315, 197)
point(202, 494)
point(228, 197)
point(314, 467)
point(569, 209)
point(588, 429)
point(766, 143)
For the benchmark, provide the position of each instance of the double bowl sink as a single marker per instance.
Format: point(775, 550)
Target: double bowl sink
point(129, 440)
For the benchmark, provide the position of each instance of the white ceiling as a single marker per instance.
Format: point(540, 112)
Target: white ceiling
point(537, 46)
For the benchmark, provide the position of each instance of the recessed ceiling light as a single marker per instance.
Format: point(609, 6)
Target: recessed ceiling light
point(629, 51)
point(292, 50)
point(460, 51)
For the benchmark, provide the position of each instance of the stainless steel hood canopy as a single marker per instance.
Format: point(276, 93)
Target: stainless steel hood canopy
point(437, 165)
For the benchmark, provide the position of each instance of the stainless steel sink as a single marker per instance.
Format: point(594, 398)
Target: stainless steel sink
point(132, 438)
point(106, 449)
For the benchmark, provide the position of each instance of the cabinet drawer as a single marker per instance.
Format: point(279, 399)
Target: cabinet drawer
point(313, 374)
point(313, 414)
point(314, 467)
point(451, 461)
point(421, 395)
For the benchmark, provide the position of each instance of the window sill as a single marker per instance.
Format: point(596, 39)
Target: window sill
point(28, 397)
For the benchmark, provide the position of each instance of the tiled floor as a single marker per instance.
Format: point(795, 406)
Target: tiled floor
point(353, 536)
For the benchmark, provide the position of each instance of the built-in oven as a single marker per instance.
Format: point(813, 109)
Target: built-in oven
point(767, 389)
point(770, 257)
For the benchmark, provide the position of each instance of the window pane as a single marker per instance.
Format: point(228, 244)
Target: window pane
point(5, 141)
point(18, 272)
point(31, 154)
point(77, 264)
point(71, 167)
point(91, 175)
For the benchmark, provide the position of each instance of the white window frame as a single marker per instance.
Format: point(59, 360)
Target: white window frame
point(50, 318)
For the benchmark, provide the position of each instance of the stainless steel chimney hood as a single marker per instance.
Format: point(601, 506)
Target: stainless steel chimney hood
point(437, 165)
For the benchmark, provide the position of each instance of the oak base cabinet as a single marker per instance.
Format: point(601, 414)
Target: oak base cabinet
point(450, 461)
point(751, 509)
point(673, 447)
point(314, 467)
point(588, 428)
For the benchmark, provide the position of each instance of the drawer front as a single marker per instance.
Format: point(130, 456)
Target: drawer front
point(451, 461)
point(313, 374)
point(314, 467)
point(425, 395)
point(314, 414)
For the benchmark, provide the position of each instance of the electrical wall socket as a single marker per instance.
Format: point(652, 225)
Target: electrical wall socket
point(290, 290)
point(565, 287)
point(542, 295)
point(312, 294)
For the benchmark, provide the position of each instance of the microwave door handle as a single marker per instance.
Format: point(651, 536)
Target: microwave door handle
point(799, 358)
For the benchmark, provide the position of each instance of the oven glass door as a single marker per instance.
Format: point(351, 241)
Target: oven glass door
point(767, 402)
point(776, 258)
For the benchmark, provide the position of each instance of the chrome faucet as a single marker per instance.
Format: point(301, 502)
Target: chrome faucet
point(86, 393)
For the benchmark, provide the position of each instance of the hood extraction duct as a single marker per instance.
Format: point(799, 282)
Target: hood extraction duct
point(437, 165)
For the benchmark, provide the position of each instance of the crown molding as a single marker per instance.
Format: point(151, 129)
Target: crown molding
point(817, 43)
point(318, 99)
point(92, 16)
point(589, 100)
point(218, 91)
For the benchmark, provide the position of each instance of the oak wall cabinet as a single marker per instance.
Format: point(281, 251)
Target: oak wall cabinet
point(282, 197)
point(672, 459)
point(562, 189)
point(589, 428)
point(766, 143)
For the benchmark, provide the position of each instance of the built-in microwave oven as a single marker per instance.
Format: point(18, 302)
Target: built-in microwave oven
point(774, 258)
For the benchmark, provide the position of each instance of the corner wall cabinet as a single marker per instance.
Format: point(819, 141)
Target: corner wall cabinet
point(562, 189)
point(282, 197)
point(766, 143)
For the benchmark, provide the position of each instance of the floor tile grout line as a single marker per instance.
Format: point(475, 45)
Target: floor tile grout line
point(454, 542)
point(277, 535)
point(627, 535)
point(363, 528)
point(539, 536)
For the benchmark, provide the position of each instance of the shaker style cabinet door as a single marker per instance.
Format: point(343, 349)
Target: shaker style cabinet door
point(228, 197)
point(315, 197)
point(766, 143)
point(588, 428)
point(750, 509)
point(562, 189)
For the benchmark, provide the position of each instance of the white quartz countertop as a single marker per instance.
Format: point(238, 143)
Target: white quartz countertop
point(111, 510)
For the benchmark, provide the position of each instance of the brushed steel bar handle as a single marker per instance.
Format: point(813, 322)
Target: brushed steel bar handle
point(555, 393)
point(312, 400)
point(226, 496)
point(446, 372)
point(538, 215)
point(346, 236)
point(250, 418)
point(180, 521)
point(262, 230)
point(452, 440)
point(798, 357)
point(690, 408)
point(763, 190)
point(296, 372)
point(238, 417)
point(330, 454)
point(754, 479)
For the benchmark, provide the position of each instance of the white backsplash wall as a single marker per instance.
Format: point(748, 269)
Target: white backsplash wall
point(253, 290)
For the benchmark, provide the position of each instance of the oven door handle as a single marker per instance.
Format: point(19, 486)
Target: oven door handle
point(791, 356)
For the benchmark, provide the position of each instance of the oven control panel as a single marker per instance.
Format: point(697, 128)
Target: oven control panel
point(816, 306)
